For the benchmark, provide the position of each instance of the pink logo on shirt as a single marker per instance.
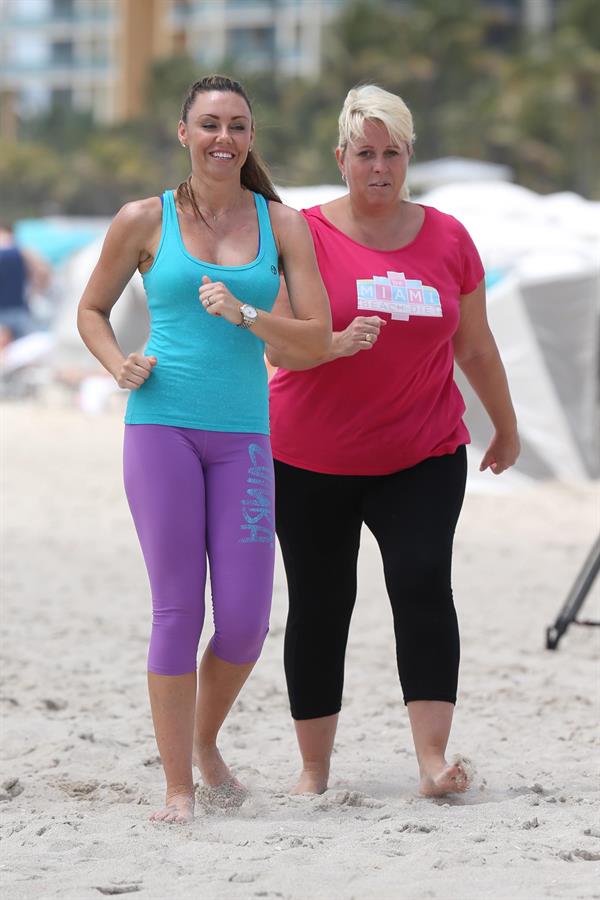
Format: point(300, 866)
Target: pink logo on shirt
point(402, 297)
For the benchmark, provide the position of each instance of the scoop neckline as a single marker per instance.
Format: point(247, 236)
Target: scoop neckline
point(376, 249)
point(203, 262)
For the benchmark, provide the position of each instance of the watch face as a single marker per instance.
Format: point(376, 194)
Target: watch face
point(248, 311)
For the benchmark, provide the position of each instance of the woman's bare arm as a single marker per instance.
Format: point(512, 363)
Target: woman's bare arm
point(477, 355)
point(125, 247)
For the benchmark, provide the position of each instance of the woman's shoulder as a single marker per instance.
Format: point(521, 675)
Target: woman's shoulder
point(280, 212)
point(287, 220)
point(137, 212)
point(313, 212)
point(443, 226)
point(328, 211)
point(139, 217)
point(442, 219)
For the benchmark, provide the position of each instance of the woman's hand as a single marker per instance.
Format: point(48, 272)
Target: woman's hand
point(361, 334)
point(502, 452)
point(218, 301)
point(135, 370)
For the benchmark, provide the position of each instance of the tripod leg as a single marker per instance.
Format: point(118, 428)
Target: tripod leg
point(575, 598)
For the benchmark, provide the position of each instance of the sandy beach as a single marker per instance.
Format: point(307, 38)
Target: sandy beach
point(80, 772)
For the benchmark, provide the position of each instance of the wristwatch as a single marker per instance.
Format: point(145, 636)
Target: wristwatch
point(249, 316)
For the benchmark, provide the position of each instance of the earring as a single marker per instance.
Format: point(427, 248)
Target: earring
point(344, 178)
point(183, 145)
point(249, 149)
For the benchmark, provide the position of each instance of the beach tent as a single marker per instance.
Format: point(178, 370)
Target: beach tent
point(547, 332)
point(542, 255)
point(424, 176)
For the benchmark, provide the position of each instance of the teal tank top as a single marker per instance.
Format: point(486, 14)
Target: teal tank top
point(210, 374)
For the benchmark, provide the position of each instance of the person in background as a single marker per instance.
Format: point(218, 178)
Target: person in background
point(197, 458)
point(21, 272)
point(372, 433)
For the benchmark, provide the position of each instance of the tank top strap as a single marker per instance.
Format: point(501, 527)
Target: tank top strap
point(266, 238)
point(169, 210)
point(261, 209)
point(169, 228)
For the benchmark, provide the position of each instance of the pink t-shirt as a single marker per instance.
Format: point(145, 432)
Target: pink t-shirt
point(391, 407)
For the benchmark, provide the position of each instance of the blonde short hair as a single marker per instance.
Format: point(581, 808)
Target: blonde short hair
point(370, 102)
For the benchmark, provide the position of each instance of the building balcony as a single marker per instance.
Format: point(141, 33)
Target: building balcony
point(16, 71)
point(237, 11)
point(53, 22)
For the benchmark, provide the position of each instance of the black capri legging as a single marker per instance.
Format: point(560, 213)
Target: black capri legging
point(413, 515)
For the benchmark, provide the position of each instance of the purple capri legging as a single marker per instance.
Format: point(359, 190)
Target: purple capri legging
point(196, 494)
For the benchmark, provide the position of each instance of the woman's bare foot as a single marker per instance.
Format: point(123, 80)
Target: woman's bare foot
point(311, 781)
point(213, 768)
point(221, 788)
point(178, 810)
point(439, 778)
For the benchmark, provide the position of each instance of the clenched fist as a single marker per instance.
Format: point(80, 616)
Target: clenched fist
point(361, 334)
point(136, 369)
point(218, 301)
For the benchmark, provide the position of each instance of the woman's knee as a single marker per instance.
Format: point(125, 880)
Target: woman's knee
point(420, 574)
point(240, 643)
point(173, 643)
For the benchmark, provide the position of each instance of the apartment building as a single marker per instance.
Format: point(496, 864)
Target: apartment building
point(94, 54)
point(282, 35)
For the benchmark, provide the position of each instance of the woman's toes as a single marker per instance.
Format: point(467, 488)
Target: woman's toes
point(179, 810)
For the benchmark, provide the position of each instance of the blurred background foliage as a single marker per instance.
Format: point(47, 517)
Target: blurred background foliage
point(476, 88)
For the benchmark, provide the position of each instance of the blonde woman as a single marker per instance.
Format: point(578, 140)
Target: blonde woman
point(372, 433)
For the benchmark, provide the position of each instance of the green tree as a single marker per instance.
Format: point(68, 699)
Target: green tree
point(546, 123)
point(108, 171)
point(31, 179)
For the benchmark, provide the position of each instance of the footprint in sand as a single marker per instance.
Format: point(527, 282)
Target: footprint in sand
point(9, 701)
point(273, 838)
point(538, 788)
point(11, 788)
point(115, 889)
point(152, 761)
point(54, 705)
point(292, 840)
point(333, 799)
point(125, 793)
point(78, 789)
point(588, 855)
point(62, 846)
point(242, 878)
point(416, 828)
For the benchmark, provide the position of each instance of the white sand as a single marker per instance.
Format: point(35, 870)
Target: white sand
point(78, 736)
